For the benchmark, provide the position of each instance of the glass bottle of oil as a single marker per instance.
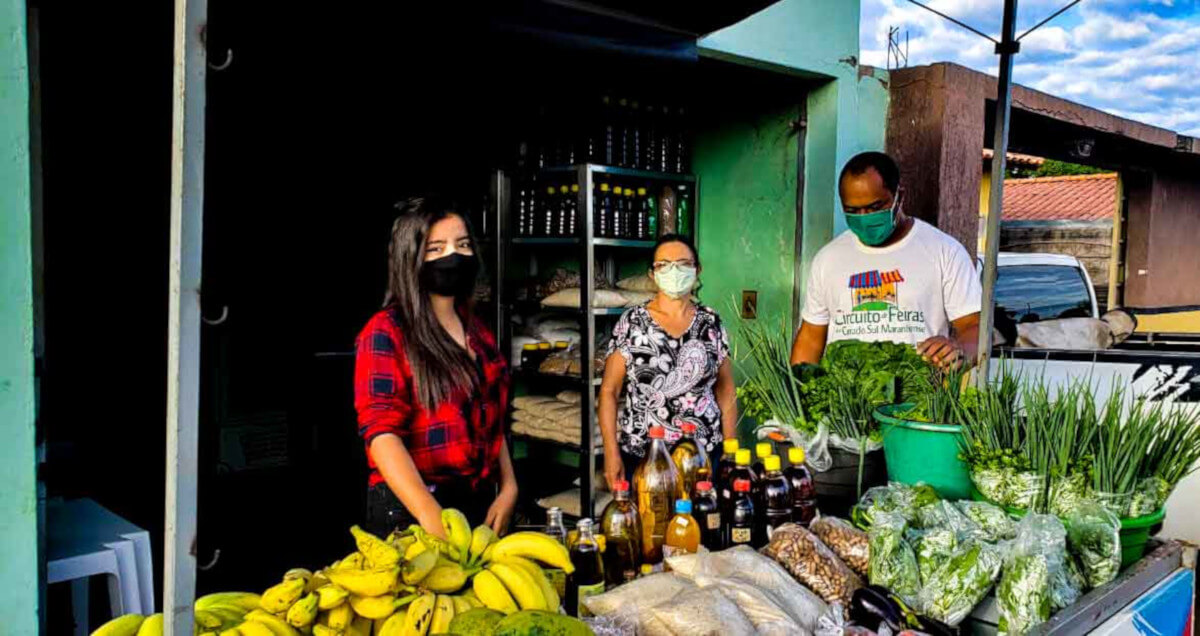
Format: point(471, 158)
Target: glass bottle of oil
point(621, 528)
point(683, 533)
point(556, 529)
point(777, 496)
point(656, 481)
point(804, 492)
point(588, 577)
point(708, 515)
point(692, 461)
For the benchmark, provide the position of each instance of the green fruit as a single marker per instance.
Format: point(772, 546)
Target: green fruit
point(477, 622)
point(540, 623)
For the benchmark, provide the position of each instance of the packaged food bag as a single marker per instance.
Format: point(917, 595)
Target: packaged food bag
point(1094, 537)
point(994, 524)
point(934, 548)
point(960, 583)
point(893, 564)
point(813, 563)
point(894, 497)
point(1033, 567)
point(848, 542)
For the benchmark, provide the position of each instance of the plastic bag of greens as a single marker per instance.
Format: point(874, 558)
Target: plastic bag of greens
point(994, 523)
point(1026, 490)
point(1068, 491)
point(1145, 497)
point(1115, 502)
point(1094, 537)
point(1033, 566)
point(992, 483)
point(934, 548)
point(892, 562)
point(894, 497)
point(944, 515)
point(963, 581)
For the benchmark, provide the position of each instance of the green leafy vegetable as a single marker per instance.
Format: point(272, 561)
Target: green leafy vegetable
point(1093, 534)
point(892, 561)
point(963, 581)
point(994, 524)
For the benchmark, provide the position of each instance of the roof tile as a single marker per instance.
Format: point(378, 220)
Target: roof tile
point(1072, 198)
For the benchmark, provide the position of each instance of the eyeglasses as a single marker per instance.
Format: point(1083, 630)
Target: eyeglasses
point(659, 266)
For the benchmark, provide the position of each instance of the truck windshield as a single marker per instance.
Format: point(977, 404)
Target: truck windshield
point(1029, 293)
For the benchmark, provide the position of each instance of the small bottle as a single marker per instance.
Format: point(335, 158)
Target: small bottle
point(762, 450)
point(691, 459)
point(804, 491)
point(573, 219)
point(529, 355)
point(777, 496)
point(549, 213)
point(624, 134)
point(683, 212)
point(651, 206)
point(622, 530)
point(556, 529)
point(607, 136)
point(634, 155)
point(588, 577)
point(724, 484)
point(683, 533)
point(566, 210)
point(561, 345)
point(544, 351)
point(708, 515)
point(603, 211)
point(617, 213)
point(646, 570)
point(641, 226)
point(630, 214)
point(524, 209)
point(741, 516)
point(741, 470)
point(655, 481)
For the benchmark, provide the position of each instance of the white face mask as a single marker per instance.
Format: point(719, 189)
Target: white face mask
point(676, 281)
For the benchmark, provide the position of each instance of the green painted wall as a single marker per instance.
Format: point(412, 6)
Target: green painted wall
point(18, 499)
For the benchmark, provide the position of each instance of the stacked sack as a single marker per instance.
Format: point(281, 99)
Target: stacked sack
point(551, 418)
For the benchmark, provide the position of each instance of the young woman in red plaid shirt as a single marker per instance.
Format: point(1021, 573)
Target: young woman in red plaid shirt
point(431, 386)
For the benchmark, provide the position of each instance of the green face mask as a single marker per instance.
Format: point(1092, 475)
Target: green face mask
point(872, 228)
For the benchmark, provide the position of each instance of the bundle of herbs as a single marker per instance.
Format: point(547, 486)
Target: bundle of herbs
point(878, 373)
point(770, 390)
point(1174, 453)
point(992, 435)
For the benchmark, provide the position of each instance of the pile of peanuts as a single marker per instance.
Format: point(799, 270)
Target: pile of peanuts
point(812, 563)
point(848, 542)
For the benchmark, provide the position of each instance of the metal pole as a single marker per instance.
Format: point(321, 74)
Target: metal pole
point(1007, 48)
point(183, 319)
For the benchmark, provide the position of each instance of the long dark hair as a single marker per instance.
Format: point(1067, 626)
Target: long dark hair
point(439, 365)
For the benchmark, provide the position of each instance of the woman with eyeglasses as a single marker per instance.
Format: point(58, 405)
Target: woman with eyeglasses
point(430, 385)
point(670, 358)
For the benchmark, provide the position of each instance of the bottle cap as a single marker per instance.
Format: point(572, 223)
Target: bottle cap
point(796, 455)
point(762, 449)
point(703, 486)
point(683, 507)
point(641, 192)
point(550, 190)
point(657, 432)
point(772, 463)
point(688, 427)
point(628, 192)
point(574, 187)
point(741, 485)
point(616, 189)
point(561, 344)
point(542, 346)
point(604, 187)
point(622, 486)
point(647, 569)
point(584, 524)
point(730, 446)
point(563, 189)
point(529, 347)
point(742, 458)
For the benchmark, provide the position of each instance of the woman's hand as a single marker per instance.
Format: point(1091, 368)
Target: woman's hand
point(430, 518)
point(500, 513)
point(614, 468)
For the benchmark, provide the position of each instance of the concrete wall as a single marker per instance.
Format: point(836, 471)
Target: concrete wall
point(1162, 259)
point(814, 40)
point(18, 499)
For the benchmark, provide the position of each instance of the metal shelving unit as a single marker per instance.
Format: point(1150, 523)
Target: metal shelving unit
point(585, 175)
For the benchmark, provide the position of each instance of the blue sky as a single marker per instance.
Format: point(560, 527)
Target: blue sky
point(1135, 58)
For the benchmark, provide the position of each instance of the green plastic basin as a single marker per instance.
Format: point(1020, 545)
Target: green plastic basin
point(923, 452)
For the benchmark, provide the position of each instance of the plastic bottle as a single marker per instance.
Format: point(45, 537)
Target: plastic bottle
point(616, 220)
point(728, 461)
point(762, 450)
point(603, 211)
point(622, 531)
point(741, 470)
point(588, 577)
point(566, 210)
point(529, 353)
point(549, 212)
point(573, 210)
point(777, 496)
point(708, 515)
point(804, 491)
point(629, 222)
point(683, 533)
point(740, 527)
point(656, 481)
point(692, 461)
point(683, 211)
point(556, 529)
point(651, 206)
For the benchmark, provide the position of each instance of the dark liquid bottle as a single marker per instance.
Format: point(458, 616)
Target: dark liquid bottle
point(725, 466)
point(588, 577)
point(804, 492)
point(708, 514)
point(777, 497)
point(549, 213)
point(617, 213)
point(741, 471)
point(762, 451)
point(740, 528)
point(622, 531)
point(603, 211)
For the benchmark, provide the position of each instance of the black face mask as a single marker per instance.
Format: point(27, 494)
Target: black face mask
point(452, 275)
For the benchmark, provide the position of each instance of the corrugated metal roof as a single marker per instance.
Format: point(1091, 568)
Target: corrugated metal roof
point(1090, 197)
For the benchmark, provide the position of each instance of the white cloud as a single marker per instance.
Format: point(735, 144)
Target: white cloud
point(1134, 58)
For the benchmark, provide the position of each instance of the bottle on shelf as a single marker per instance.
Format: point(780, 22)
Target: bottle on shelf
point(650, 138)
point(529, 354)
point(681, 152)
point(565, 211)
point(762, 450)
point(777, 496)
point(606, 139)
point(728, 461)
point(624, 134)
point(635, 135)
point(651, 205)
point(621, 528)
point(691, 460)
point(630, 214)
point(603, 211)
point(668, 145)
point(656, 481)
point(548, 213)
point(683, 210)
point(556, 529)
point(708, 515)
point(683, 533)
point(524, 209)
point(573, 211)
point(561, 345)
point(804, 491)
point(544, 351)
point(588, 577)
point(617, 212)
point(646, 570)
point(666, 211)
point(741, 470)
point(740, 522)
point(643, 215)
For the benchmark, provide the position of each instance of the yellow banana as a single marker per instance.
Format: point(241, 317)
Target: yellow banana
point(419, 616)
point(461, 604)
point(232, 631)
point(492, 593)
point(458, 531)
point(443, 613)
point(279, 597)
point(392, 626)
point(208, 634)
point(380, 553)
point(420, 567)
point(536, 546)
point(245, 600)
point(445, 579)
point(403, 543)
point(360, 626)
point(324, 630)
point(353, 561)
point(539, 576)
point(229, 614)
point(276, 624)
point(330, 596)
point(365, 582)
point(417, 547)
point(340, 617)
point(487, 554)
point(303, 612)
point(481, 538)
point(318, 581)
point(254, 628)
point(152, 626)
point(298, 573)
point(524, 590)
point(373, 607)
point(205, 618)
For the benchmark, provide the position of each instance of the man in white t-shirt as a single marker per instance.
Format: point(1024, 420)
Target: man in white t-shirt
point(890, 277)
